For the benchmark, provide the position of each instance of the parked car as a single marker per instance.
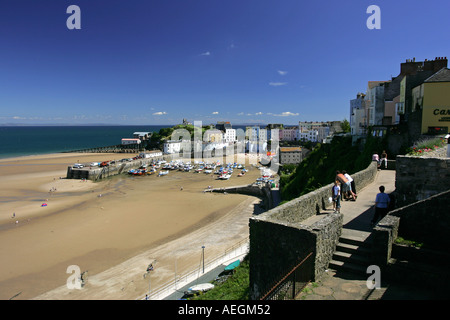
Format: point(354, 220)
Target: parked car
point(104, 164)
point(94, 164)
point(78, 165)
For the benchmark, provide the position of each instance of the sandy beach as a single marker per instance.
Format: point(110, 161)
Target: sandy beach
point(113, 228)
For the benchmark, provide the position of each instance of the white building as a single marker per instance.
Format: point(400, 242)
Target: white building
point(309, 135)
point(177, 146)
point(128, 141)
point(229, 135)
point(151, 154)
point(375, 102)
point(358, 121)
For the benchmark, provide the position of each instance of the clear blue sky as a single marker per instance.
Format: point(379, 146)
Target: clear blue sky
point(159, 61)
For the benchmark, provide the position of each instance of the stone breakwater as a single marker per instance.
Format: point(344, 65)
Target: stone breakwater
point(263, 192)
point(98, 173)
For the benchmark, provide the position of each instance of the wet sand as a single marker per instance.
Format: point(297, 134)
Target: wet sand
point(135, 221)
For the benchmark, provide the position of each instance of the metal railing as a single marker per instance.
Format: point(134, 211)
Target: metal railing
point(293, 281)
point(240, 248)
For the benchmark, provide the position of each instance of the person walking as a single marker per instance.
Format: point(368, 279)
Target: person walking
point(382, 201)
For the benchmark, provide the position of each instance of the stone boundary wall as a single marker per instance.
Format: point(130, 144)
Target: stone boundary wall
point(312, 203)
point(279, 240)
point(276, 247)
point(418, 178)
point(425, 220)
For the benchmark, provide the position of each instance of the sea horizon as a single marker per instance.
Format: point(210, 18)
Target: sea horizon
point(18, 141)
point(30, 140)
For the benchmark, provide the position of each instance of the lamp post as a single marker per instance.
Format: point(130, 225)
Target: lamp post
point(203, 256)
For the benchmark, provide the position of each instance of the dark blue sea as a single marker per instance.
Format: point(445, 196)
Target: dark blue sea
point(18, 141)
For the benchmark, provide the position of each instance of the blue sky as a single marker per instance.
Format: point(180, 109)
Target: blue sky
point(248, 61)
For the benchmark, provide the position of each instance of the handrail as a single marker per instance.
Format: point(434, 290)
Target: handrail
point(170, 287)
point(285, 279)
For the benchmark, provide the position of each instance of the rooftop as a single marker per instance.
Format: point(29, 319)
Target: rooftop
point(442, 75)
point(290, 149)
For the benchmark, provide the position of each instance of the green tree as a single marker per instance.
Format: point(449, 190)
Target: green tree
point(345, 126)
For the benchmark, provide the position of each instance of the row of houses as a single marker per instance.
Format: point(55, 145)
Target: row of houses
point(304, 131)
point(418, 98)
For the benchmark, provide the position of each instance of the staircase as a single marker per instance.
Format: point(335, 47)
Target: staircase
point(352, 253)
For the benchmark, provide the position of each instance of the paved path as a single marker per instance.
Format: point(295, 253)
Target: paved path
point(348, 286)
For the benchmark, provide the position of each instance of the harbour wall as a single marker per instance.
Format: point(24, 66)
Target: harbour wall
point(263, 192)
point(98, 173)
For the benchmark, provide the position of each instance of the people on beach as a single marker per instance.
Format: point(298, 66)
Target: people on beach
point(336, 197)
point(382, 201)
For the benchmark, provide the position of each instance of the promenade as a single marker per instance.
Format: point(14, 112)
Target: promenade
point(342, 285)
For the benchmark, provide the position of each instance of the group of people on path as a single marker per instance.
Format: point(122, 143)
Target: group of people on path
point(343, 181)
point(343, 188)
point(380, 160)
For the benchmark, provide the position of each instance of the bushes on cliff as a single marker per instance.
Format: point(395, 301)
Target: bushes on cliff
point(320, 167)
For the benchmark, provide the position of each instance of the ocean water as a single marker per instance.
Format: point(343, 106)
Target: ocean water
point(18, 141)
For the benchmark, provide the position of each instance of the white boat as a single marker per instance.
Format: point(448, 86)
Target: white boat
point(208, 171)
point(225, 176)
point(203, 287)
point(163, 173)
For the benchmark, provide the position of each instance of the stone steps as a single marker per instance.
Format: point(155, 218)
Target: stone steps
point(352, 254)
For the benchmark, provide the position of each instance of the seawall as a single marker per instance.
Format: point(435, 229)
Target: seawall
point(264, 192)
point(98, 173)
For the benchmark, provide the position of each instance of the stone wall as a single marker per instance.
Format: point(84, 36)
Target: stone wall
point(418, 178)
point(96, 173)
point(426, 221)
point(312, 203)
point(276, 247)
point(279, 238)
point(262, 192)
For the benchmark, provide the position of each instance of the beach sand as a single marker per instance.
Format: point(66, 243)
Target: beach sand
point(113, 228)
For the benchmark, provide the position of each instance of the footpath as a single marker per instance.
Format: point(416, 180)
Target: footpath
point(341, 285)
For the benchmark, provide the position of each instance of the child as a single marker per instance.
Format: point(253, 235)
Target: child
point(336, 196)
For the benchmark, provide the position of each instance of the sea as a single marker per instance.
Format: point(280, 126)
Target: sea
point(16, 141)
